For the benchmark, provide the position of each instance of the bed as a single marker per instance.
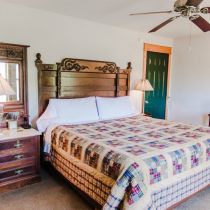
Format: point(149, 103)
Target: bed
point(132, 162)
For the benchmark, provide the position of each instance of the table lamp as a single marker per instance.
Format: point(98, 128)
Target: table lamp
point(144, 85)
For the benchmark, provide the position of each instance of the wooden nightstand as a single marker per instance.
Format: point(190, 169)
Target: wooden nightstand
point(19, 158)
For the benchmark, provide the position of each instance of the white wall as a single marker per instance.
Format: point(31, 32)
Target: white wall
point(190, 85)
point(56, 36)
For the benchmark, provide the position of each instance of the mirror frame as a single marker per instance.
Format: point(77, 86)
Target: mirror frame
point(14, 53)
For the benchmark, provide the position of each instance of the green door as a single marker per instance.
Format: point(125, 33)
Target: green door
point(157, 74)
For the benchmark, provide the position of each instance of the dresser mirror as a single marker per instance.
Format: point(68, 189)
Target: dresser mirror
point(13, 68)
point(10, 71)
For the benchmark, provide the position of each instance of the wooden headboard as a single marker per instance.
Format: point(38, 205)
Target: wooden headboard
point(76, 78)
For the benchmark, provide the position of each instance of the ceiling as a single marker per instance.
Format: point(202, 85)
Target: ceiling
point(116, 13)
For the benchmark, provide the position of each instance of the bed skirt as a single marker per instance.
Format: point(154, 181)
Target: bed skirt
point(98, 186)
point(175, 194)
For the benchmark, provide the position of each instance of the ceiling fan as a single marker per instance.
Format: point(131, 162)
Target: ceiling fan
point(187, 9)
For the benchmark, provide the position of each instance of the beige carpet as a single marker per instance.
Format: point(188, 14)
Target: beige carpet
point(54, 194)
point(49, 194)
point(201, 201)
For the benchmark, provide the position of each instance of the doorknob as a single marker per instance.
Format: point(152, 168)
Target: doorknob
point(146, 102)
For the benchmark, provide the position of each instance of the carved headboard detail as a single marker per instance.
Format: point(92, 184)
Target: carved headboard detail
point(75, 78)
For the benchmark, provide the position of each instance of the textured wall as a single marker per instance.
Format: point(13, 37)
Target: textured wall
point(190, 85)
point(56, 36)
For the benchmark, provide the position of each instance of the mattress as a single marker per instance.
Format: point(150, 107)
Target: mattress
point(143, 163)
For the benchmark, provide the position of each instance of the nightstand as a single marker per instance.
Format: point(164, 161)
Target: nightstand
point(19, 158)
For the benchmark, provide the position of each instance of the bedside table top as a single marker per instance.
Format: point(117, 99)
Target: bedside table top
point(6, 134)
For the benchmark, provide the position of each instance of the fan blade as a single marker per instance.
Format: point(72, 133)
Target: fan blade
point(201, 23)
point(152, 13)
point(180, 3)
point(194, 3)
point(205, 10)
point(163, 24)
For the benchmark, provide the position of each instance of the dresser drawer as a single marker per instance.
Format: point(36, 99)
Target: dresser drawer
point(17, 147)
point(17, 163)
point(16, 144)
point(15, 157)
point(17, 173)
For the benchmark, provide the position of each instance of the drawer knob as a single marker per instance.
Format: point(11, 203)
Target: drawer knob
point(19, 172)
point(18, 157)
point(18, 144)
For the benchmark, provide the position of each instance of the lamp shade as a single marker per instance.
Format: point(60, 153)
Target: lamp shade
point(144, 85)
point(5, 88)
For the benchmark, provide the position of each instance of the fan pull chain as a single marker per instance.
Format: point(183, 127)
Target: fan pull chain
point(190, 39)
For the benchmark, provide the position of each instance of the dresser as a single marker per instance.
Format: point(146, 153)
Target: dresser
point(19, 158)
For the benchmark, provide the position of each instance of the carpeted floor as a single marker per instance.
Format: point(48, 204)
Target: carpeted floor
point(49, 194)
point(54, 194)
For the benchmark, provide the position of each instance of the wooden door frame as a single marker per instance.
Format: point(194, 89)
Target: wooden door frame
point(158, 49)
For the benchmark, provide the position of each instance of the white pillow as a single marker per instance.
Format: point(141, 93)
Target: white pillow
point(48, 115)
point(111, 108)
point(68, 111)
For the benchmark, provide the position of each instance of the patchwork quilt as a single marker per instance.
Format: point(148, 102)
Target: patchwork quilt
point(138, 152)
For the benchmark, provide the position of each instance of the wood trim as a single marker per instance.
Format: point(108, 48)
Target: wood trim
point(21, 182)
point(168, 86)
point(17, 45)
point(158, 49)
point(16, 53)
